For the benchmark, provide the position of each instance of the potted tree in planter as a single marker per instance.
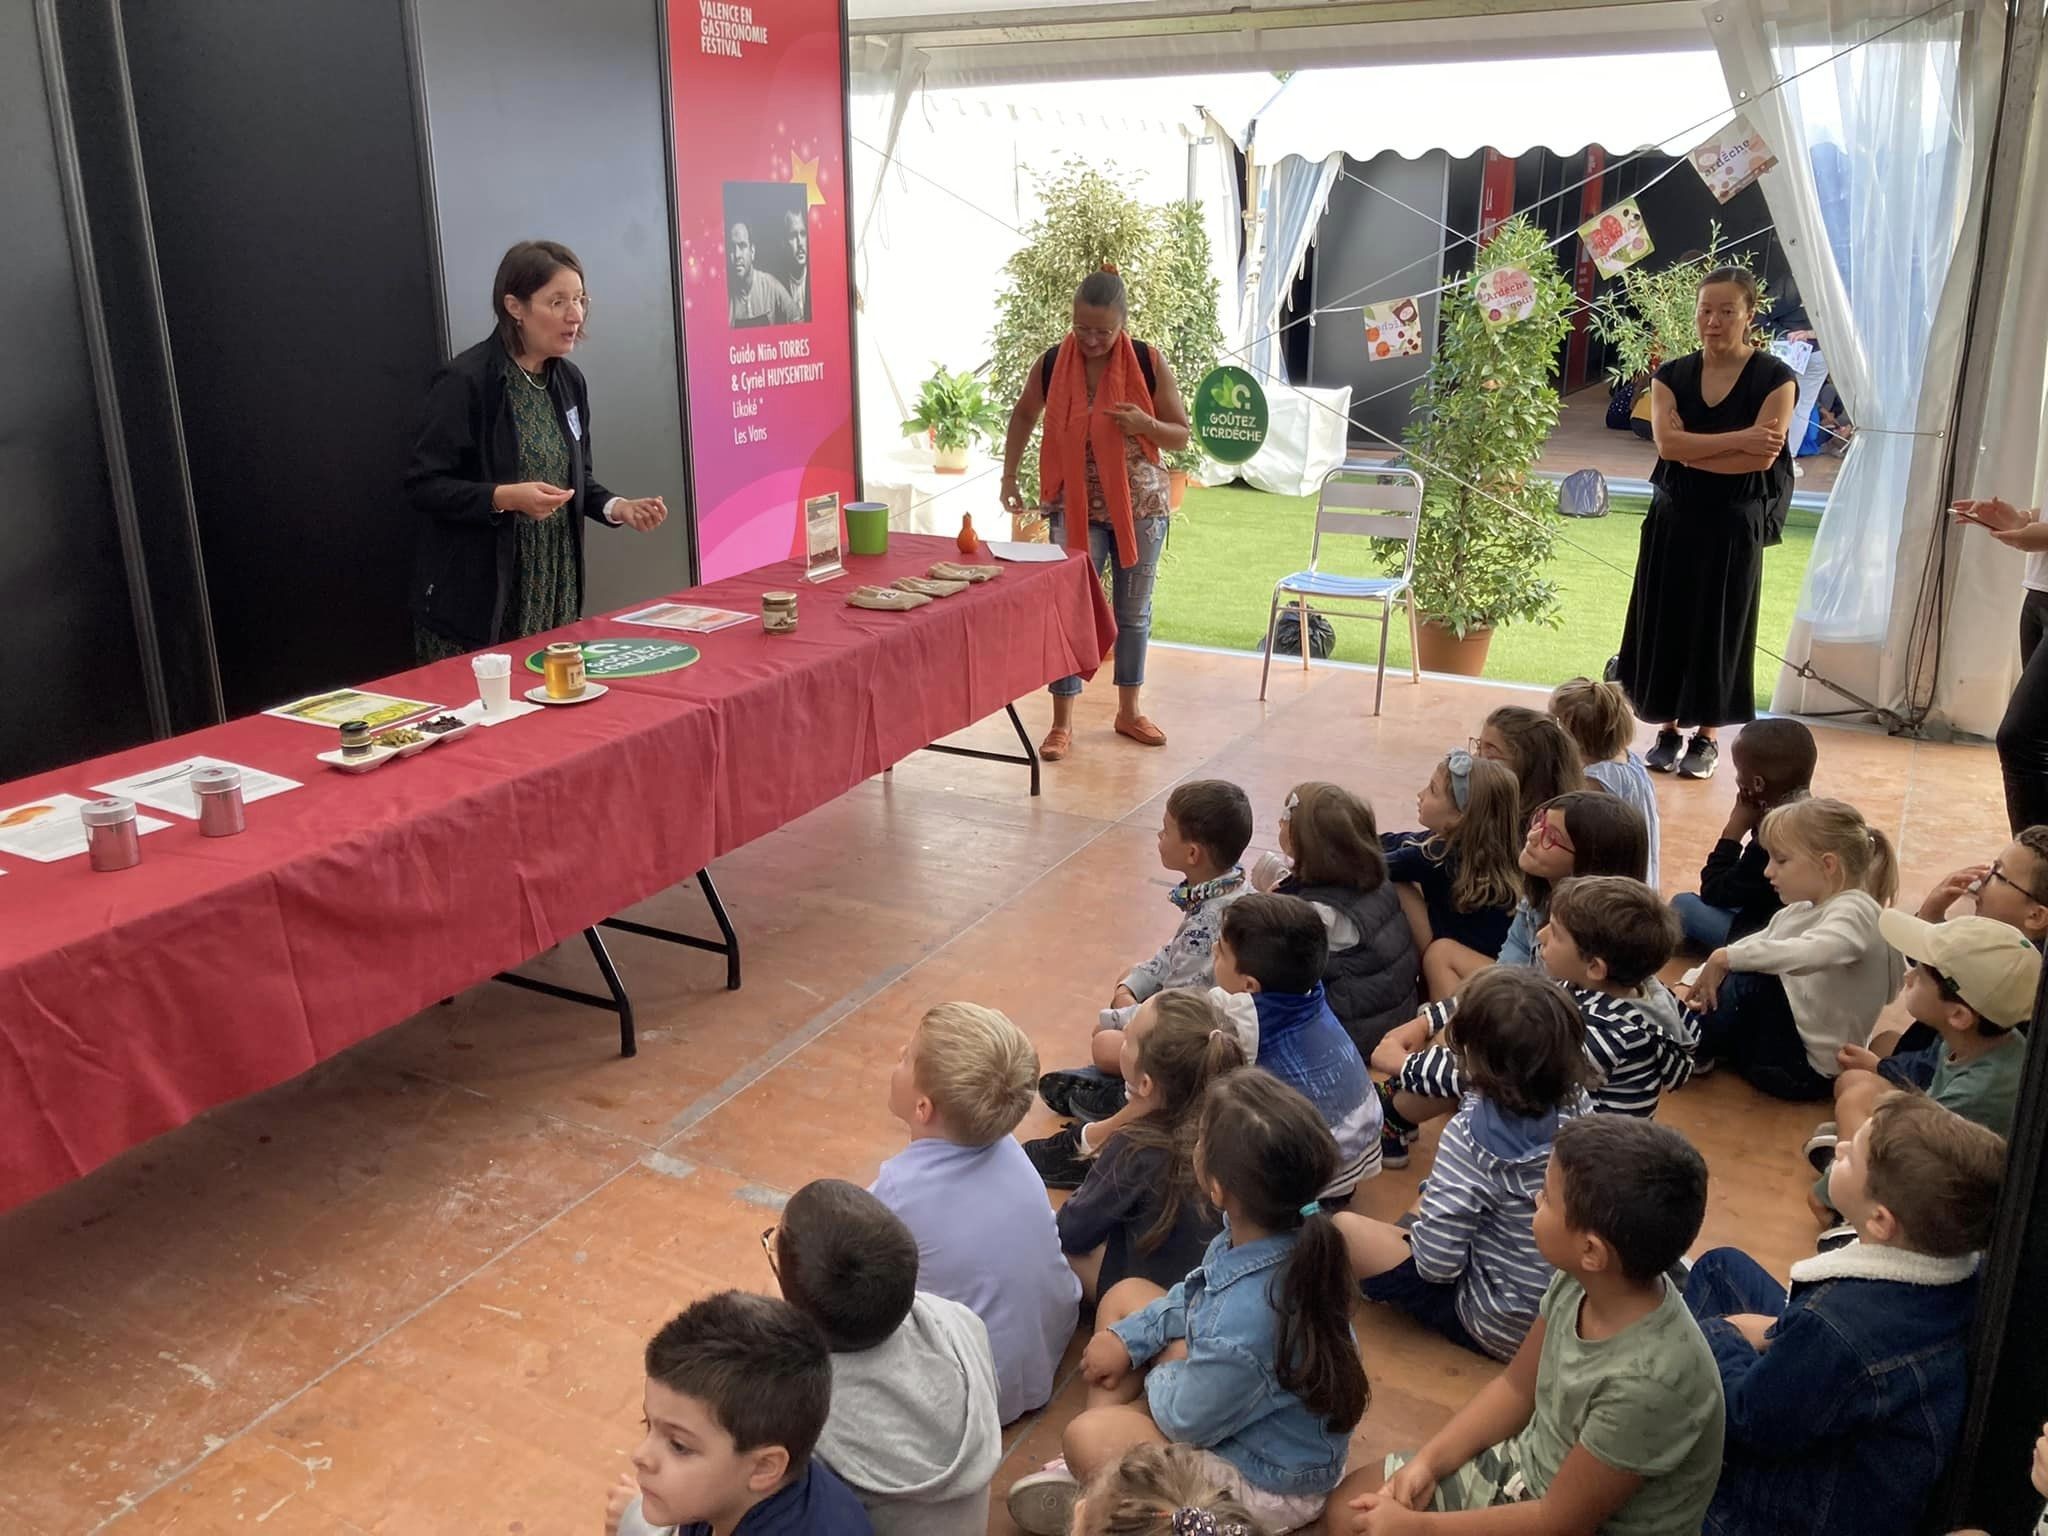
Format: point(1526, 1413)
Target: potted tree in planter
point(1181, 319)
point(1487, 408)
point(954, 409)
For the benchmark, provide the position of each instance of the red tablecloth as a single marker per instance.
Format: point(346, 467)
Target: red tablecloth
point(131, 1002)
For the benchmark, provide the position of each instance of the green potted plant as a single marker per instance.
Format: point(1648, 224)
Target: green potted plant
point(1485, 412)
point(1181, 319)
point(1652, 317)
point(952, 410)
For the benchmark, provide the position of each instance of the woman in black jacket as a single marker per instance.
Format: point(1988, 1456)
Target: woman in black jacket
point(501, 472)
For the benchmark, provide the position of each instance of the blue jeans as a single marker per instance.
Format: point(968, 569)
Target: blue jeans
point(1727, 1282)
point(1704, 927)
point(1431, 1304)
point(1130, 594)
point(1752, 1030)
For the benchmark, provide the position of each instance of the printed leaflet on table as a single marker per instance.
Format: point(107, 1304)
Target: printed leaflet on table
point(1617, 238)
point(687, 617)
point(1026, 554)
point(1732, 159)
point(1393, 330)
point(336, 709)
point(169, 788)
point(48, 829)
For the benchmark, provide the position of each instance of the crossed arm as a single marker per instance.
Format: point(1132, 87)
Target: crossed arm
point(1742, 451)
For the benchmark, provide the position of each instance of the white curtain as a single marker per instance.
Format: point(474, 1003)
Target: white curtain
point(1292, 195)
point(1880, 130)
point(1979, 660)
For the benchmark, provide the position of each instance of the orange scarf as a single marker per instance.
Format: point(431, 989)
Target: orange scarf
point(1074, 424)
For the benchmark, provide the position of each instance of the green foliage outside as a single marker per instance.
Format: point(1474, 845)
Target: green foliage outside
point(956, 409)
point(1653, 316)
point(1162, 253)
point(1483, 416)
point(1229, 545)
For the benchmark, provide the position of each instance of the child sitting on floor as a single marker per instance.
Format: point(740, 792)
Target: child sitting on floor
point(1600, 723)
point(1202, 835)
point(1780, 1005)
point(1605, 941)
point(1458, 877)
point(985, 1236)
point(1251, 1358)
point(1468, 1267)
point(1160, 1490)
point(1845, 1399)
point(1581, 832)
point(913, 1427)
point(1609, 1416)
point(1971, 982)
point(1333, 860)
point(1774, 761)
point(1535, 749)
point(2012, 888)
point(738, 1388)
point(1136, 1208)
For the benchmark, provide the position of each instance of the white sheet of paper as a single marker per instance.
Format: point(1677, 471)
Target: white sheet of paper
point(686, 617)
point(1028, 554)
point(473, 712)
point(47, 830)
point(169, 788)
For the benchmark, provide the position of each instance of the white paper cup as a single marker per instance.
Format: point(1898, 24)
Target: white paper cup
point(493, 682)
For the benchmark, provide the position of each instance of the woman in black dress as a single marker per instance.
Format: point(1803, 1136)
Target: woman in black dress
point(1723, 478)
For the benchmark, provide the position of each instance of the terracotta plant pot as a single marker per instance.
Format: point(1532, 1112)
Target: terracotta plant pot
point(1176, 487)
point(1442, 651)
point(950, 461)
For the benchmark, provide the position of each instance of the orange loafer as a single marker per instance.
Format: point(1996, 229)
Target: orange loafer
point(1059, 741)
point(1142, 731)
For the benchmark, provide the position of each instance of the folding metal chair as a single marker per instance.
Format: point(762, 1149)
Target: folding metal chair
point(1357, 501)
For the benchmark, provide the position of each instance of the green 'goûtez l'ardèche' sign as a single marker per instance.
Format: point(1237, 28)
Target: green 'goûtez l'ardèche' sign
point(1230, 415)
point(625, 658)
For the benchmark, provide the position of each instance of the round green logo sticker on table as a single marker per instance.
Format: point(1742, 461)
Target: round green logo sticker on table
point(1230, 415)
point(604, 659)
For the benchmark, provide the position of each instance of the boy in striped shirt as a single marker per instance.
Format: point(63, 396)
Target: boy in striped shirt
point(1469, 1267)
point(1606, 940)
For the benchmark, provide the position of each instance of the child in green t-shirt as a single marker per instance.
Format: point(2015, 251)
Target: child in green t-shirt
point(1610, 1416)
point(1971, 981)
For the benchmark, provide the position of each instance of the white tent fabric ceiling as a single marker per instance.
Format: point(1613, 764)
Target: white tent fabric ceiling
point(1026, 40)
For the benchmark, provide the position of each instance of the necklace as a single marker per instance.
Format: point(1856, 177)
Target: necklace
point(531, 382)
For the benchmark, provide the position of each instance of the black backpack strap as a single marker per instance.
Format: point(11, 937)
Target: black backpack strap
point(1045, 363)
point(1147, 365)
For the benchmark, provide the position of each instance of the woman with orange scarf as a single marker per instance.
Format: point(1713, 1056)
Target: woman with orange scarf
point(1110, 404)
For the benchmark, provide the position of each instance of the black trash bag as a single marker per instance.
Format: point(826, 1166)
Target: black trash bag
point(1322, 636)
point(1583, 494)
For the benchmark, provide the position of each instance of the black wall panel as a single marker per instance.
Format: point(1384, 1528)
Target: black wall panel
point(280, 149)
point(75, 677)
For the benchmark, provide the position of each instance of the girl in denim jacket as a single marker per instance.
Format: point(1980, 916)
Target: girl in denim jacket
point(1251, 1358)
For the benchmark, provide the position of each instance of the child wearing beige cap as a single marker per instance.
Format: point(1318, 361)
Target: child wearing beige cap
point(1971, 980)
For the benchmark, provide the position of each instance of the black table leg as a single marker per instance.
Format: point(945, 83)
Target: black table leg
point(1029, 758)
point(618, 1002)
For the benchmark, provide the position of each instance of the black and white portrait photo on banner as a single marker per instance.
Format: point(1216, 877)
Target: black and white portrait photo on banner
point(767, 253)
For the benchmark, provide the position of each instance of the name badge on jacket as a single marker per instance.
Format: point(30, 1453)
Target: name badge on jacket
point(575, 424)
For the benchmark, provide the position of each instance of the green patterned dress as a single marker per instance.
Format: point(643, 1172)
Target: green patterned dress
point(545, 591)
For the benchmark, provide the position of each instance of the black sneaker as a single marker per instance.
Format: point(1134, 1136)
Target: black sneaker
point(1394, 1147)
point(1700, 760)
point(1058, 1088)
point(1058, 1157)
point(1663, 757)
point(1835, 1237)
point(1612, 671)
point(1820, 1147)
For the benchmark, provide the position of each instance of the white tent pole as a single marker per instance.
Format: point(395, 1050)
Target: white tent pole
point(910, 65)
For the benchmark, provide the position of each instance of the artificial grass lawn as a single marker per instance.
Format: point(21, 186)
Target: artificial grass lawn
point(1230, 545)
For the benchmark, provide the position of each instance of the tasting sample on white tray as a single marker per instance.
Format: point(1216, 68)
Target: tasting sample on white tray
point(169, 788)
point(1026, 554)
point(590, 691)
point(362, 762)
point(48, 829)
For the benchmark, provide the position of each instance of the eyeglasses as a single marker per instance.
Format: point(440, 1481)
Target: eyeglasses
point(768, 1247)
point(1097, 332)
point(1547, 836)
point(1997, 872)
point(1483, 749)
point(560, 305)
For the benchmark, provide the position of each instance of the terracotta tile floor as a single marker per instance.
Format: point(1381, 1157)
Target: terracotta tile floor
point(407, 1292)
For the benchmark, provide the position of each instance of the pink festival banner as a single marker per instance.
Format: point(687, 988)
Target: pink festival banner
point(758, 92)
